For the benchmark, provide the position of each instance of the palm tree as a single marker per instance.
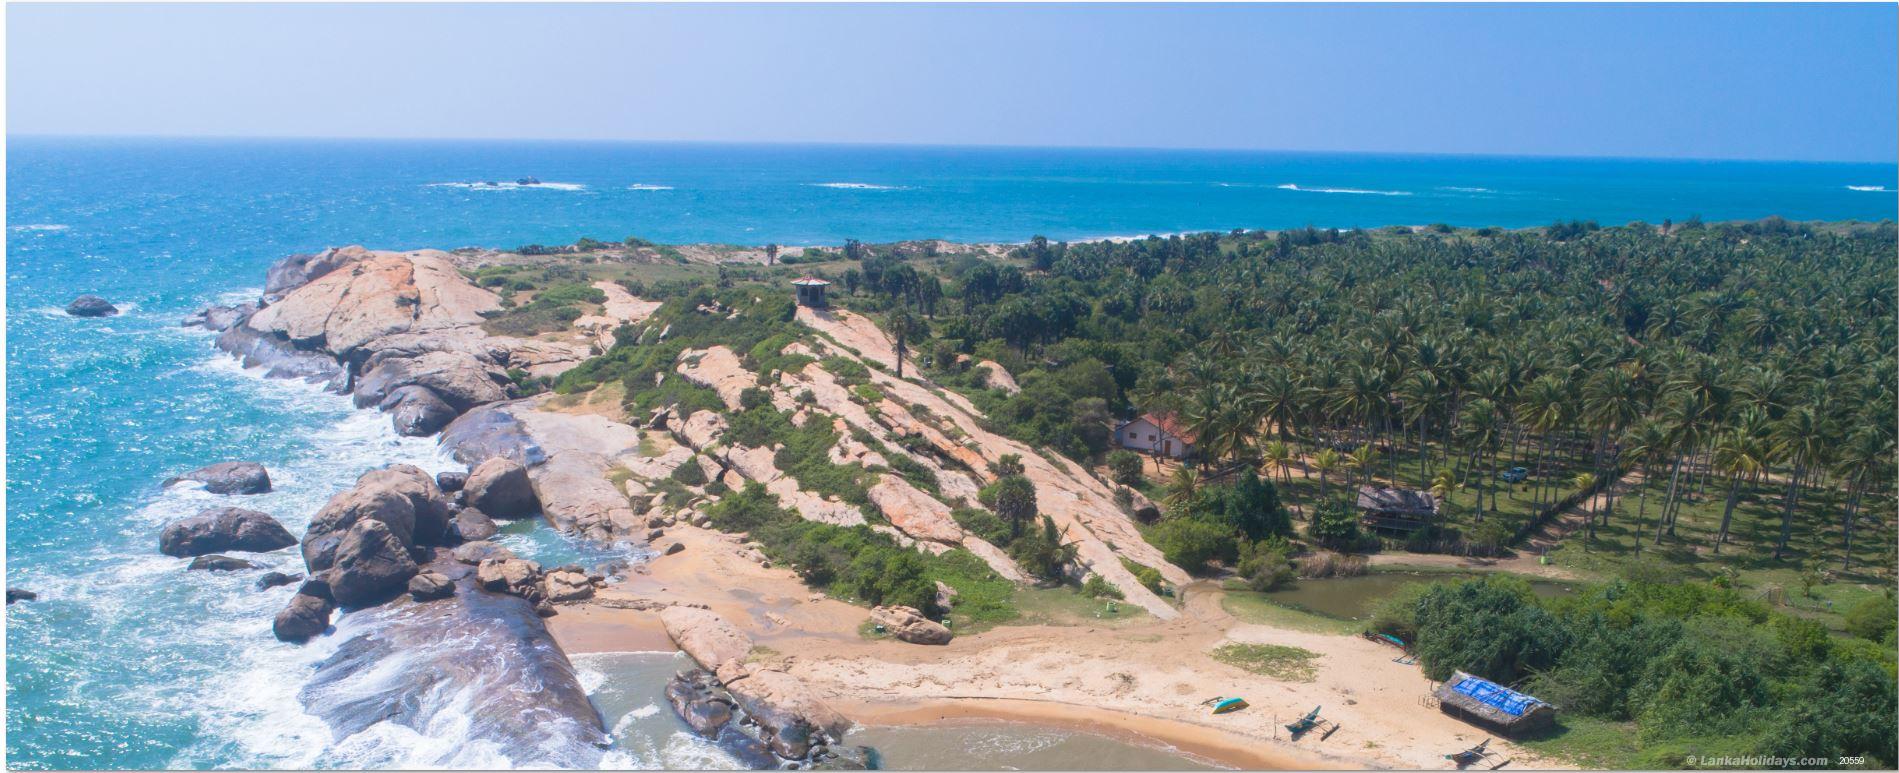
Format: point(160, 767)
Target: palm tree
point(1648, 443)
point(1422, 396)
point(1803, 437)
point(1481, 427)
point(1362, 459)
point(1737, 455)
point(1277, 454)
point(1444, 485)
point(1325, 461)
point(1868, 452)
point(1182, 486)
point(1583, 482)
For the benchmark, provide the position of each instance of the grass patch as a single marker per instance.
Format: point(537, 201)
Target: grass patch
point(1275, 661)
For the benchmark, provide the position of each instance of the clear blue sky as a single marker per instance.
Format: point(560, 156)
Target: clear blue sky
point(1704, 81)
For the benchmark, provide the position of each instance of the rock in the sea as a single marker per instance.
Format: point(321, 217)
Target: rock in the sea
point(304, 617)
point(91, 306)
point(217, 563)
point(704, 707)
point(790, 716)
point(429, 586)
point(450, 482)
point(566, 585)
point(228, 478)
point(844, 757)
point(20, 594)
point(279, 358)
point(273, 579)
point(417, 412)
point(220, 318)
point(508, 575)
point(401, 497)
point(909, 625)
point(370, 565)
point(224, 528)
point(500, 488)
point(481, 550)
point(472, 525)
point(318, 587)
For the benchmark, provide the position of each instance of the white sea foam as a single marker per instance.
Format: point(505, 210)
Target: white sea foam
point(500, 185)
point(1868, 188)
point(645, 187)
point(859, 186)
point(1463, 189)
point(39, 227)
point(1361, 191)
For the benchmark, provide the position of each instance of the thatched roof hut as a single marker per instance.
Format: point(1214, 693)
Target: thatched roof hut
point(1396, 508)
point(1480, 701)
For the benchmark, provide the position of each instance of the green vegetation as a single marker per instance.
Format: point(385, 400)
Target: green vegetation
point(1276, 661)
point(1205, 524)
point(553, 308)
point(805, 454)
point(642, 359)
point(1693, 669)
point(850, 562)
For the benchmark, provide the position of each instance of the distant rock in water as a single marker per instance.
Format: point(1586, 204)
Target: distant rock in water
point(220, 318)
point(20, 594)
point(228, 478)
point(275, 579)
point(221, 529)
point(478, 662)
point(217, 563)
point(528, 181)
point(91, 306)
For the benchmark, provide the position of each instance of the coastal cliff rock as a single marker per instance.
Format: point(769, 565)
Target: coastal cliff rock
point(500, 488)
point(91, 306)
point(402, 497)
point(416, 411)
point(577, 498)
point(461, 381)
point(791, 719)
point(279, 358)
point(296, 271)
point(375, 295)
point(909, 625)
point(221, 529)
point(228, 478)
point(220, 318)
point(489, 432)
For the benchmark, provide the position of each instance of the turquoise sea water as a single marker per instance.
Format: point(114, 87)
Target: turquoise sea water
point(128, 661)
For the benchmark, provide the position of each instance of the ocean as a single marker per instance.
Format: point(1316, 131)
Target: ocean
point(127, 661)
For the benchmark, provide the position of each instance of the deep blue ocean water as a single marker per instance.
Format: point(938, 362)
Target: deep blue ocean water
point(128, 661)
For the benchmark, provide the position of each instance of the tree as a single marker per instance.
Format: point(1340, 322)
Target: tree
point(1191, 543)
point(771, 254)
point(1040, 552)
point(1739, 456)
point(1125, 466)
point(902, 328)
point(1015, 502)
point(1249, 506)
point(1325, 461)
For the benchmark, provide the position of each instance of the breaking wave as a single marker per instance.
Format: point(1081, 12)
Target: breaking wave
point(858, 186)
point(1868, 188)
point(1362, 191)
point(491, 185)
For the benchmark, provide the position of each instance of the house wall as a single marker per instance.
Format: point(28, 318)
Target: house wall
point(1142, 435)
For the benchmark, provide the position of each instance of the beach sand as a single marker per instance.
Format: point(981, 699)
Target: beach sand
point(1145, 680)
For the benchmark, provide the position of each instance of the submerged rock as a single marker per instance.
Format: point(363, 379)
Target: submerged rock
point(279, 357)
point(217, 563)
point(91, 306)
point(500, 488)
point(274, 579)
point(224, 528)
point(220, 318)
point(697, 700)
point(20, 594)
point(228, 478)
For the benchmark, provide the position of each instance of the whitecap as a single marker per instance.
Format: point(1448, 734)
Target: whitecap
point(646, 187)
point(1869, 188)
point(498, 185)
point(39, 227)
point(858, 186)
point(1463, 189)
point(1362, 191)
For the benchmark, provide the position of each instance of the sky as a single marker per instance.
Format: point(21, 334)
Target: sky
point(1787, 82)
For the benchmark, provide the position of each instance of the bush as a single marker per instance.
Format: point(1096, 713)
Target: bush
point(1149, 577)
point(1264, 566)
point(1125, 467)
point(1874, 619)
point(1249, 506)
point(1191, 543)
point(1096, 588)
point(690, 473)
point(1490, 627)
point(984, 524)
point(1040, 552)
point(1335, 525)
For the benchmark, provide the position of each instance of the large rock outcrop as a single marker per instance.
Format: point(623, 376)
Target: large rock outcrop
point(221, 529)
point(500, 488)
point(908, 625)
point(402, 497)
point(374, 295)
point(371, 565)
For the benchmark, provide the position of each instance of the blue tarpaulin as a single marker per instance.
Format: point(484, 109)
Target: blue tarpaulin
point(1492, 694)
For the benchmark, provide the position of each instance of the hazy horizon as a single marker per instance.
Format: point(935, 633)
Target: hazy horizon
point(1702, 82)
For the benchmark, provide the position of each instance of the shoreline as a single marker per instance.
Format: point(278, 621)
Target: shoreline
point(1195, 741)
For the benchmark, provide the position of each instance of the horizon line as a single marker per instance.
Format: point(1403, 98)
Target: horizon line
point(10, 136)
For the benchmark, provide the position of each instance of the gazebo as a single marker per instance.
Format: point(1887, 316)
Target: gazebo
point(810, 291)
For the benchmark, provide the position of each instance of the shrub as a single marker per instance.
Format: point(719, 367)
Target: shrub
point(1874, 619)
point(984, 524)
point(1149, 577)
point(1249, 506)
point(1040, 552)
point(1264, 566)
point(1191, 543)
point(1125, 467)
point(1335, 525)
point(1095, 587)
point(690, 473)
point(1490, 627)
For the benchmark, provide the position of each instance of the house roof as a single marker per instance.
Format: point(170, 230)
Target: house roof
point(1492, 702)
point(1169, 423)
point(1396, 500)
point(810, 281)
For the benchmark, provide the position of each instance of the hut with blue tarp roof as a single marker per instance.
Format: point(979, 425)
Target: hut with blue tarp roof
point(1481, 701)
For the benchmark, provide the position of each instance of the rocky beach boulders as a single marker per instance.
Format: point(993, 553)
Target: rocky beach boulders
point(500, 488)
point(696, 697)
point(472, 525)
point(566, 584)
point(370, 565)
point(228, 478)
point(91, 306)
point(224, 529)
point(909, 625)
point(450, 482)
point(516, 576)
point(306, 616)
point(429, 586)
point(473, 553)
point(402, 497)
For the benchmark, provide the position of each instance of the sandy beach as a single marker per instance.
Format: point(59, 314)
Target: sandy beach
point(1143, 680)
